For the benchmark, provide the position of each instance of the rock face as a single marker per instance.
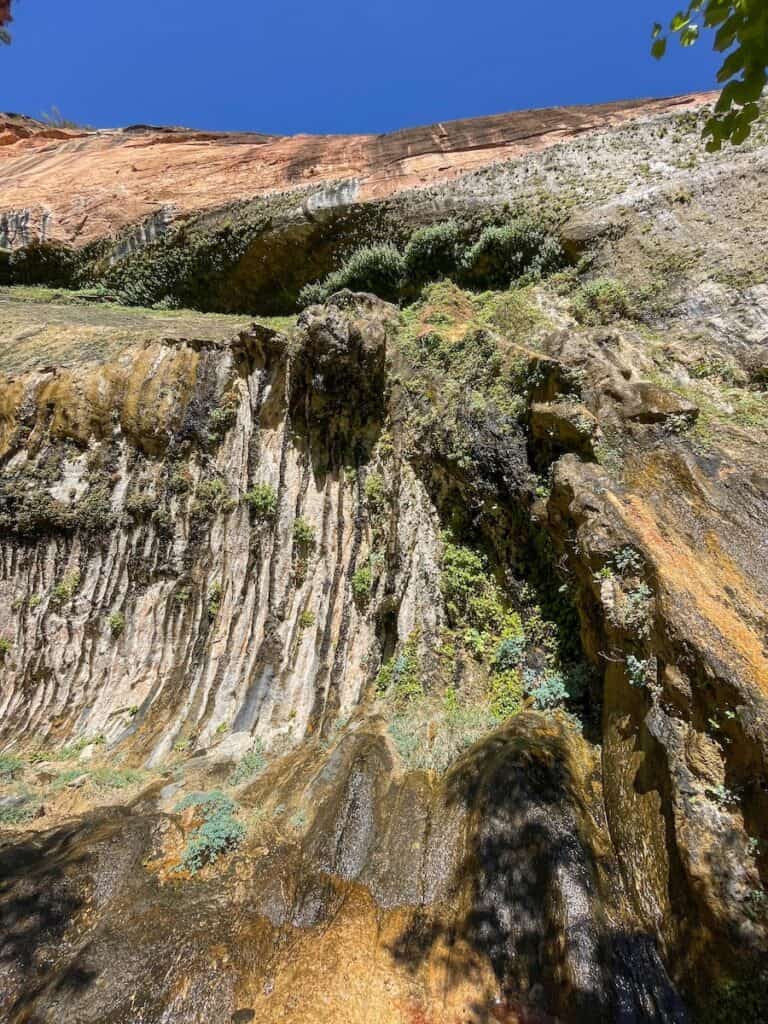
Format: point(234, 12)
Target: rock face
point(397, 663)
point(78, 186)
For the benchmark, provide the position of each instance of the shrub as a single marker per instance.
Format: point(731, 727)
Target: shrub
point(219, 832)
point(432, 253)
point(470, 592)
point(375, 493)
point(312, 295)
point(509, 653)
point(362, 583)
point(262, 499)
point(250, 764)
point(66, 587)
point(303, 535)
point(548, 692)
point(5, 646)
point(600, 301)
point(504, 254)
point(306, 619)
point(372, 268)
point(506, 694)
point(211, 497)
point(116, 623)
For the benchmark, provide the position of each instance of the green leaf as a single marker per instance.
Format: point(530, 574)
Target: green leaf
point(679, 21)
point(689, 35)
point(656, 31)
point(659, 48)
point(732, 64)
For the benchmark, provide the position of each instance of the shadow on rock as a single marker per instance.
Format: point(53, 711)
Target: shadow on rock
point(538, 888)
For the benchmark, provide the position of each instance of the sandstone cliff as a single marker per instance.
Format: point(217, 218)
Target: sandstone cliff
point(387, 661)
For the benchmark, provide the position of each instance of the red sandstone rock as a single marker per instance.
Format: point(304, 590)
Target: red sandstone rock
point(80, 185)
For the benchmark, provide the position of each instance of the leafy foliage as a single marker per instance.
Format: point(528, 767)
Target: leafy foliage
point(219, 832)
point(432, 253)
point(362, 584)
point(549, 690)
point(500, 255)
point(116, 623)
point(262, 499)
point(303, 534)
point(249, 765)
point(503, 254)
point(400, 677)
point(741, 32)
point(372, 268)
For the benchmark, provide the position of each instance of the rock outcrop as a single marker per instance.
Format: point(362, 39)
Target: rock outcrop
point(386, 663)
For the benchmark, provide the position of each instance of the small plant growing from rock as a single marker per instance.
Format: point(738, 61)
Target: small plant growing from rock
point(215, 595)
point(64, 590)
point(375, 493)
point(219, 832)
point(362, 584)
point(262, 500)
point(306, 619)
point(548, 691)
point(10, 766)
point(303, 534)
point(506, 694)
point(249, 765)
point(116, 623)
point(211, 498)
point(638, 670)
point(5, 646)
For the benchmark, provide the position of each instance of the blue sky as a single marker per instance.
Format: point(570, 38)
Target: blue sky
point(340, 66)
